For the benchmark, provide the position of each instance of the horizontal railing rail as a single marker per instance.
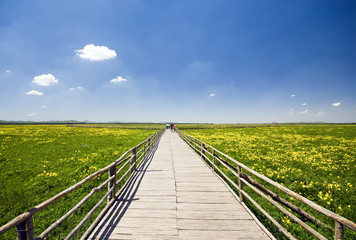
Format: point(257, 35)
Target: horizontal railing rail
point(132, 157)
point(216, 158)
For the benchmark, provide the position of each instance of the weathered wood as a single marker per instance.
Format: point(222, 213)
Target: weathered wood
point(97, 220)
point(112, 183)
point(339, 231)
point(279, 226)
point(133, 160)
point(29, 227)
point(213, 160)
point(75, 208)
point(71, 234)
point(240, 184)
point(283, 201)
point(300, 222)
point(21, 231)
point(107, 207)
point(26, 217)
point(170, 196)
point(201, 150)
point(300, 198)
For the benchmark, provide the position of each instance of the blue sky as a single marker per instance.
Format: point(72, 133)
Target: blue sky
point(215, 61)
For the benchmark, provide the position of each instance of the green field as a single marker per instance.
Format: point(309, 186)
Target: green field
point(38, 162)
point(316, 161)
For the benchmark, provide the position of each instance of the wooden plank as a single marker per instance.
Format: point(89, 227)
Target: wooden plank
point(211, 234)
point(137, 233)
point(218, 224)
point(206, 194)
point(204, 207)
point(178, 197)
point(214, 215)
point(153, 205)
point(302, 199)
point(154, 193)
point(203, 199)
point(150, 213)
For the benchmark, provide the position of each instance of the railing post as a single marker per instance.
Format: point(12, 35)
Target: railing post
point(25, 230)
point(112, 183)
point(201, 150)
point(148, 144)
point(133, 160)
point(21, 231)
point(213, 160)
point(339, 231)
point(240, 183)
point(29, 226)
point(144, 149)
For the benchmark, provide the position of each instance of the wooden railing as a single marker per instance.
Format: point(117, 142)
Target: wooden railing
point(132, 157)
point(218, 161)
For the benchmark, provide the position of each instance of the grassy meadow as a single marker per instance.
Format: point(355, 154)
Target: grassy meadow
point(37, 162)
point(316, 161)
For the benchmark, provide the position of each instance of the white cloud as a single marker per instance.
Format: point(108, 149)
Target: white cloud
point(304, 112)
point(212, 95)
point(118, 80)
point(77, 88)
point(291, 112)
point(34, 92)
point(8, 71)
point(96, 53)
point(336, 104)
point(321, 113)
point(45, 80)
point(293, 95)
point(31, 114)
point(304, 104)
point(44, 106)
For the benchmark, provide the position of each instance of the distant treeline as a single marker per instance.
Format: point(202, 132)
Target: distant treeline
point(181, 125)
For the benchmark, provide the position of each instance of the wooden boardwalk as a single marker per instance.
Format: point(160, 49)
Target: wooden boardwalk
point(174, 195)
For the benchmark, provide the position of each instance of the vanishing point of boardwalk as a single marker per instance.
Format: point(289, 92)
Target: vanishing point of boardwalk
point(174, 195)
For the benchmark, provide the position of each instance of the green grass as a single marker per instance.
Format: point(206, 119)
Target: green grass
point(316, 161)
point(38, 162)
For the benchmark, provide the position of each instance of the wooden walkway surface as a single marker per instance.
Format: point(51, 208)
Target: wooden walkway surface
point(174, 195)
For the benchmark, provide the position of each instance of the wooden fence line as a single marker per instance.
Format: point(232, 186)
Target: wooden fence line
point(24, 222)
point(214, 156)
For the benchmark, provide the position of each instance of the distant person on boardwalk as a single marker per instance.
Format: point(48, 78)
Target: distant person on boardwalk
point(168, 126)
point(174, 127)
point(171, 127)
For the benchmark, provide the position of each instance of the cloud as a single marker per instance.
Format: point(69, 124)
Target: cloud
point(304, 104)
point(8, 71)
point(35, 93)
point(293, 95)
point(118, 80)
point(336, 104)
point(291, 112)
point(31, 114)
point(321, 113)
point(77, 88)
point(96, 53)
point(304, 112)
point(44, 106)
point(45, 80)
point(212, 95)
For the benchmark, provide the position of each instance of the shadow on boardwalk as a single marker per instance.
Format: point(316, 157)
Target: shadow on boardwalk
point(118, 210)
point(174, 195)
